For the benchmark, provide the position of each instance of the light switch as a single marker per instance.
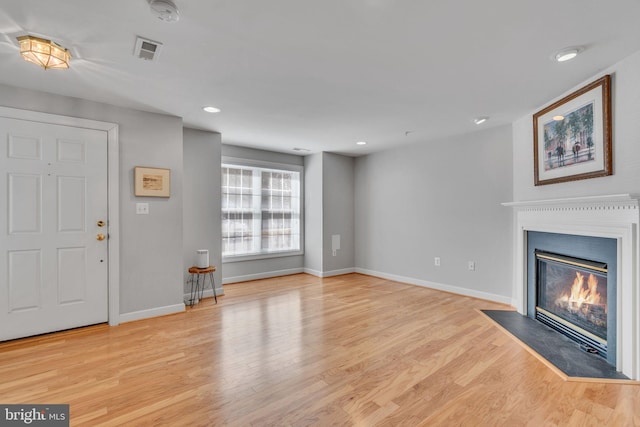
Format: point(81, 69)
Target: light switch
point(142, 208)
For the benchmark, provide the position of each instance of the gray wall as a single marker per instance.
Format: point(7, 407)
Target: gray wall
point(329, 210)
point(338, 212)
point(626, 143)
point(151, 245)
point(439, 198)
point(248, 270)
point(202, 193)
point(313, 213)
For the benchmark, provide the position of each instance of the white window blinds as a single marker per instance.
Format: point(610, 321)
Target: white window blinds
point(260, 210)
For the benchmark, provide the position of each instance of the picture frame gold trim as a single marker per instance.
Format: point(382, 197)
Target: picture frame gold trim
point(576, 147)
point(152, 182)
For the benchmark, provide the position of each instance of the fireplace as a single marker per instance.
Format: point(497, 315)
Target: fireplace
point(570, 280)
point(612, 217)
point(571, 297)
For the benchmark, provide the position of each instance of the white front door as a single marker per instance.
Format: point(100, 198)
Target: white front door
point(53, 209)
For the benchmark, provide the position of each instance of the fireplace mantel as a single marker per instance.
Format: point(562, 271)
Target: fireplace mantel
point(611, 200)
point(613, 216)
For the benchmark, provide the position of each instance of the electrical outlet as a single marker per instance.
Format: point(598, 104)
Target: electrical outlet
point(472, 265)
point(436, 261)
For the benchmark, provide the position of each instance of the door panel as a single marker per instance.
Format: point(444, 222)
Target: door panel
point(72, 275)
point(24, 147)
point(24, 280)
point(24, 203)
point(71, 203)
point(53, 271)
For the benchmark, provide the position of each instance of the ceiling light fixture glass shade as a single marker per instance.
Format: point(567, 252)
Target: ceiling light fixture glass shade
point(44, 53)
point(210, 109)
point(361, 143)
point(480, 120)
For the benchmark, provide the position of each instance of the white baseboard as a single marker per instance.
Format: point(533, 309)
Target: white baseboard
point(313, 272)
point(152, 312)
point(207, 293)
point(403, 279)
point(265, 275)
point(329, 273)
point(438, 286)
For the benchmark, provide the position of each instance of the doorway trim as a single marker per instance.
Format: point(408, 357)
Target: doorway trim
point(113, 185)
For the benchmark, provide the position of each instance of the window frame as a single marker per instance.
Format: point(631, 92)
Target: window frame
point(238, 161)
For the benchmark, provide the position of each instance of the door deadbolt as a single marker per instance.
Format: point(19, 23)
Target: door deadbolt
point(100, 223)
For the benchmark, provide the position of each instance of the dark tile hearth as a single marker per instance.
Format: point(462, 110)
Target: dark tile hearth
point(559, 350)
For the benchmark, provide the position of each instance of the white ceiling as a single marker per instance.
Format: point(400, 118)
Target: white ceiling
point(322, 75)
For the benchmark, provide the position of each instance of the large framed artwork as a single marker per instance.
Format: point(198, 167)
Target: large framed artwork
point(572, 137)
point(152, 182)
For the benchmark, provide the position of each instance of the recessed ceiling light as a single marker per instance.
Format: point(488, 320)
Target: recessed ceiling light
point(210, 109)
point(361, 143)
point(567, 53)
point(558, 118)
point(480, 120)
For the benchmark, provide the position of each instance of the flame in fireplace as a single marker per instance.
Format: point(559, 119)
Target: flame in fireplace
point(580, 294)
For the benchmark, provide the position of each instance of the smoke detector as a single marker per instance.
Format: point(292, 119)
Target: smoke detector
point(165, 10)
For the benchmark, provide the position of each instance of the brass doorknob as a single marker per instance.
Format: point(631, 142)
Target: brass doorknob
point(100, 236)
point(100, 223)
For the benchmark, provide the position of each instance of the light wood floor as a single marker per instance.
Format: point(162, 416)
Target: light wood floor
point(349, 350)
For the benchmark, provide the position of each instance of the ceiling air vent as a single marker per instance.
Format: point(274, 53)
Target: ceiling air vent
point(147, 49)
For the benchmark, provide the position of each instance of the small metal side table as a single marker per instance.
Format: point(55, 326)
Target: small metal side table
point(196, 287)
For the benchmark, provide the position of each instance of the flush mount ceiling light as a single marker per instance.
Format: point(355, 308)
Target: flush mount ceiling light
point(210, 109)
point(165, 10)
point(568, 53)
point(361, 143)
point(43, 52)
point(480, 120)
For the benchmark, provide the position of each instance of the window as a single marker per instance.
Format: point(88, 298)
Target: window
point(260, 210)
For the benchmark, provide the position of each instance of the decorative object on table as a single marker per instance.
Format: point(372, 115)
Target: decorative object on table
point(572, 137)
point(202, 258)
point(152, 182)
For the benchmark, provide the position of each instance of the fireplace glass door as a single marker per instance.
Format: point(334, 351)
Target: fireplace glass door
point(572, 298)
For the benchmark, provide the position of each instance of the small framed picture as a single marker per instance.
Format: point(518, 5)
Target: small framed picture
point(572, 137)
point(152, 182)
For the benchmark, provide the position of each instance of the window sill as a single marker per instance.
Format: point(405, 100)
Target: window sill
point(254, 257)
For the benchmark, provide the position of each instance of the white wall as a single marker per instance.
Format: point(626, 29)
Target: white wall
point(439, 198)
point(151, 245)
point(202, 193)
point(626, 143)
point(249, 270)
